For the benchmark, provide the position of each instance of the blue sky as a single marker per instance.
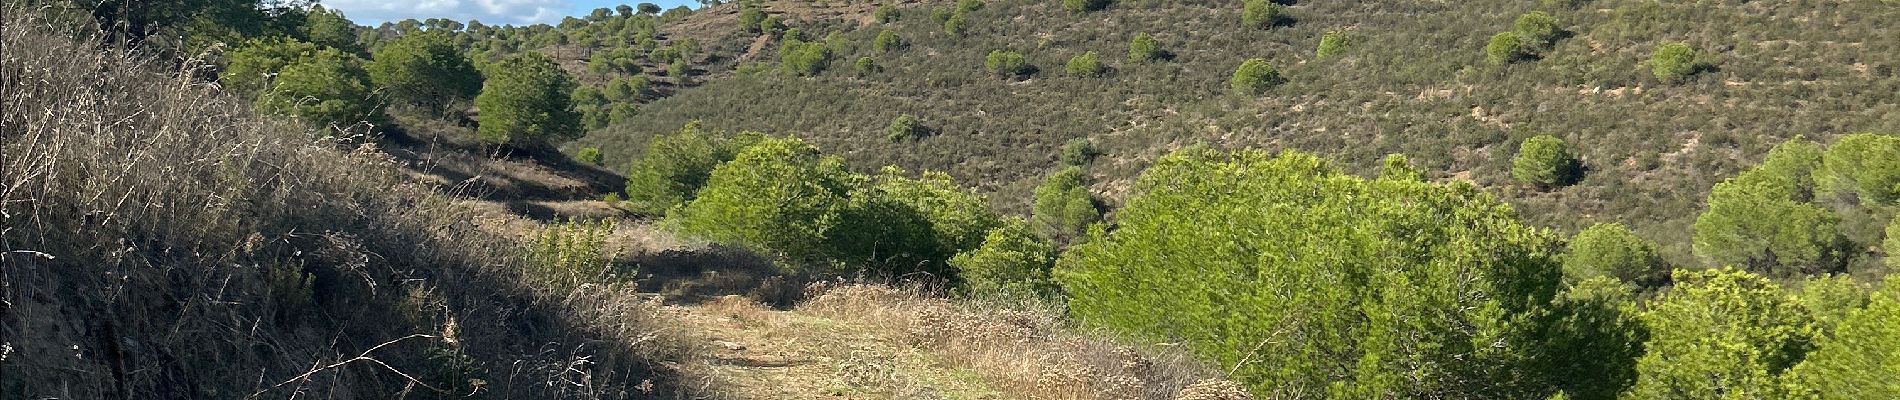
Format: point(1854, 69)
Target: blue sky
point(492, 12)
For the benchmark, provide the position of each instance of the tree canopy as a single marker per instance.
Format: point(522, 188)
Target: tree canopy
point(526, 101)
point(425, 70)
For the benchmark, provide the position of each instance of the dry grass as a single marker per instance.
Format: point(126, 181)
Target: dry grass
point(1021, 354)
point(159, 241)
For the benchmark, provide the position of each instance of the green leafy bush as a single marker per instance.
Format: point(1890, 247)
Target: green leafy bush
point(778, 196)
point(526, 102)
point(1537, 27)
point(885, 14)
point(1861, 168)
point(959, 218)
point(752, 17)
point(1306, 281)
point(1506, 47)
point(1254, 76)
point(1334, 43)
point(1673, 62)
point(1397, 166)
point(570, 253)
point(1261, 13)
point(1006, 63)
point(1085, 65)
point(674, 167)
point(1721, 333)
point(1545, 161)
point(866, 66)
point(1011, 261)
point(806, 59)
point(902, 128)
point(328, 89)
point(954, 25)
point(1078, 6)
point(966, 6)
point(1078, 151)
point(1611, 250)
point(886, 41)
point(1857, 361)
point(1762, 219)
point(588, 155)
point(327, 27)
point(1591, 347)
point(250, 68)
point(1063, 206)
point(1142, 48)
point(425, 70)
point(1892, 245)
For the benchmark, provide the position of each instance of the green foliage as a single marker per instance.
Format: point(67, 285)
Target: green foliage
point(1079, 6)
point(588, 155)
point(1721, 333)
point(570, 253)
point(649, 8)
point(1861, 168)
point(1545, 161)
point(1006, 63)
point(526, 102)
point(959, 219)
point(886, 41)
point(327, 27)
point(1261, 13)
point(1507, 47)
point(1858, 361)
point(752, 17)
point(1307, 282)
point(1673, 62)
point(1592, 346)
point(866, 65)
point(777, 196)
point(1142, 48)
point(426, 70)
point(771, 26)
point(1334, 43)
point(805, 59)
point(885, 14)
point(328, 89)
point(1012, 261)
point(966, 6)
point(674, 167)
point(1078, 151)
point(1892, 245)
point(1762, 220)
point(1085, 65)
point(954, 25)
point(1611, 250)
point(1254, 76)
point(902, 128)
point(1397, 166)
point(1063, 206)
point(1829, 299)
point(1537, 27)
point(249, 69)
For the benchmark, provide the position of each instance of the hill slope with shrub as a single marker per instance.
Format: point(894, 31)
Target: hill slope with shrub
point(1659, 101)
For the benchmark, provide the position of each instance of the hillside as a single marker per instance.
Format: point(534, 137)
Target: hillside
point(1415, 81)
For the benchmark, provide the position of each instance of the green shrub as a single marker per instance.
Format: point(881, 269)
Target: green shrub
point(866, 66)
point(1142, 48)
point(806, 59)
point(1078, 151)
point(1857, 361)
point(885, 14)
point(1721, 333)
point(886, 41)
point(1078, 6)
point(959, 218)
point(1861, 168)
point(1011, 262)
point(752, 18)
point(1397, 166)
point(1261, 13)
point(571, 253)
point(1762, 219)
point(1891, 246)
point(620, 89)
point(778, 196)
point(1829, 299)
point(1611, 250)
point(526, 102)
point(771, 26)
point(588, 155)
point(1254, 76)
point(1506, 47)
point(1085, 65)
point(1537, 27)
point(327, 27)
point(902, 128)
point(966, 6)
point(954, 25)
point(1063, 206)
point(1334, 43)
point(1235, 255)
point(1006, 63)
point(1545, 161)
point(249, 68)
point(1673, 62)
point(328, 89)
point(1591, 347)
point(426, 70)
point(674, 167)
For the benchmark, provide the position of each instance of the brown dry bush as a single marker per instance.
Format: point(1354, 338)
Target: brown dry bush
point(1022, 351)
point(162, 242)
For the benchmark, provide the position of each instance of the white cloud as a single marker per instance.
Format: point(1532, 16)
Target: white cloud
point(492, 12)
